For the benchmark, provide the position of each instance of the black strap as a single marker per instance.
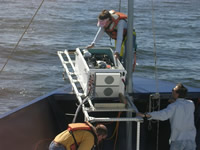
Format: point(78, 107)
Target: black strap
point(71, 132)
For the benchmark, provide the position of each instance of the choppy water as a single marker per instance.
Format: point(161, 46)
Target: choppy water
point(35, 68)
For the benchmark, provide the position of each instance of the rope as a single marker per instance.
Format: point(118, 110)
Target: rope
point(134, 63)
point(78, 109)
point(10, 56)
point(115, 133)
point(120, 5)
point(154, 41)
point(156, 76)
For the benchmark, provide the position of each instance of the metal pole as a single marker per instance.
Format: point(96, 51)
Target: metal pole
point(128, 65)
point(129, 48)
point(138, 136)
point(129, 132)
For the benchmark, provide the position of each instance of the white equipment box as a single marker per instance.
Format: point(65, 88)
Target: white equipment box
point(99, 72)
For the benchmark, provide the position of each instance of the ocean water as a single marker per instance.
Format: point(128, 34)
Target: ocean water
point(35, 69)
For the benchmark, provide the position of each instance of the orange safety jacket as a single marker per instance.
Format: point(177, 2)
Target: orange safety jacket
point(111, 30)
point(80, 126)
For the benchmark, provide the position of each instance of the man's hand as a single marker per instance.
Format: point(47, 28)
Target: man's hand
point(90, 46)
point(143, 115)
point(117, 55)
point(140, 115)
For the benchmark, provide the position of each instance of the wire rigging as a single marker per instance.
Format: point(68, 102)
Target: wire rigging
point(14, 49)
point(156, 74)
point(154, 41)
point(120, 1)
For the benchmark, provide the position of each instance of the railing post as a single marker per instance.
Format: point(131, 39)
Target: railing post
point(129, 132)
point(138, 136)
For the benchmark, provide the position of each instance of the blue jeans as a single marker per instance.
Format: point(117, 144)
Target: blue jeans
point(183, 145)
point(55, 146)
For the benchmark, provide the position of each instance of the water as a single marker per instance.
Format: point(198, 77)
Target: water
point(35, 68)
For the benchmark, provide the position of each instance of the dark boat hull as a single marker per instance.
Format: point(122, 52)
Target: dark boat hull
point(34, 125)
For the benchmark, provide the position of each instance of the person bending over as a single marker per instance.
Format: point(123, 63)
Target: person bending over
point(79, 136)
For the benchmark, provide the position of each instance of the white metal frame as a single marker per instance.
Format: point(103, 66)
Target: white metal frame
point(81, 95)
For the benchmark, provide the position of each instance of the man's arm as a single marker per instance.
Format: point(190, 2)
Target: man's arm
point(122, 24)
point(163, 114)
point(98, 36)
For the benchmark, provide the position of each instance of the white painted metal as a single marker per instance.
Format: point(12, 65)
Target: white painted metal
point(99, 75)
point(82, 73)
point(138, 136)
point(117, 73)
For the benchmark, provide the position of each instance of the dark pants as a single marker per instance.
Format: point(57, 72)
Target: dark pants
point(56, 146)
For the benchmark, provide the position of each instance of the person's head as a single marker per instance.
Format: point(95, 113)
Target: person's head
point(102, 132)
point(179, 91)
point(104, 19)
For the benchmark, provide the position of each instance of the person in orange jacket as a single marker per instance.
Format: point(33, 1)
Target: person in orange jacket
point(115, 25)
point(79, 136)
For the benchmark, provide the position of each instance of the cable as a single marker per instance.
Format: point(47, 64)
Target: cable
point(156, 74)
point(78, 109)
point(10, 56)
point(154, 41)
point(119, 5)
point(115, 132)
point(134, 63)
